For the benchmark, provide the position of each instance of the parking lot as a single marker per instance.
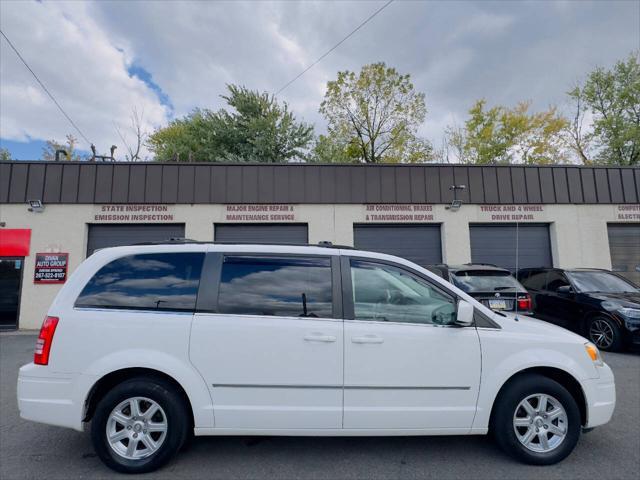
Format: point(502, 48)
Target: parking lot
point(29, 450)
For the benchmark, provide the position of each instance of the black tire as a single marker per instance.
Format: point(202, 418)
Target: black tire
point(174, 408)
point(600, 323)
point(502, 424)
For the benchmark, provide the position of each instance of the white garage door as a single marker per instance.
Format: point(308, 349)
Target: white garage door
point(624, 244)
point(103, 236)
point(498, 244)
point(419, 243)
point(262, 233)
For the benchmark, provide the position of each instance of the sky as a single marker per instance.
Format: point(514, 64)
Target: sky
point(101, 60)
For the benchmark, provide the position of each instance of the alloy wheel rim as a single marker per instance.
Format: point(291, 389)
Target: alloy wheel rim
point(136, 428)
point(601, 333)
point(540, 423)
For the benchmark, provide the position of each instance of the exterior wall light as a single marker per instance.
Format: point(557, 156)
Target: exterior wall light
point(456, 203)
point(36, 206)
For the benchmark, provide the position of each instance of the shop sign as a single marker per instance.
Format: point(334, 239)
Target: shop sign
point(394, 213)
point(51, 268)
point(260, 213)
point(512, 213)
point(139, 213)
point(628, 213)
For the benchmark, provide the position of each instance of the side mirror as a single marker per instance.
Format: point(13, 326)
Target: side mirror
point(564, 289)
point(464, 316)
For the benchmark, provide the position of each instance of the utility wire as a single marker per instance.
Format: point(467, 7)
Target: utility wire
point(368, 19)
point(45, 88)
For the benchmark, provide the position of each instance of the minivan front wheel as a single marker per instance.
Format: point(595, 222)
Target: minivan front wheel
point(139, 425)
point(536, 420)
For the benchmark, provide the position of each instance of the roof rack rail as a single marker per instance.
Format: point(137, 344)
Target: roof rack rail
point(482, 263)
point(180, 240)
point(328, 244)
point(169, 241)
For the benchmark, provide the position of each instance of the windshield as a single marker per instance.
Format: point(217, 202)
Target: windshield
point(600, 282)
point(486, 281)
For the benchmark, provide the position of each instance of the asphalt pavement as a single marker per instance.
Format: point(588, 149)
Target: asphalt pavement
point(31, 450)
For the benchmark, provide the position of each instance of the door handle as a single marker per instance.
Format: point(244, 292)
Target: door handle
point(318, 337)
point(367, 339)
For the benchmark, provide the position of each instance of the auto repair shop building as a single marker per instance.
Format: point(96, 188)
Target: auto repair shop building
point(510, 216)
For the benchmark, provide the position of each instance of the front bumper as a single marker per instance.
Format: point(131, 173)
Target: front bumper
point(52, 398)
point(600, 395)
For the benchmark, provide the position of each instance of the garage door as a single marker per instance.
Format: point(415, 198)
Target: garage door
point(262, 233)
point(497, 244)
point(624, 244)
point(102, 236)
point(419, 243)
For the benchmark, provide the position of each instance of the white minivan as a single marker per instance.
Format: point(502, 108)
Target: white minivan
point(150, 344)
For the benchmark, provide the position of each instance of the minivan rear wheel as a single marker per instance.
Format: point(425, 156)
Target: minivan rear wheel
point(536, 420)
point(139, 425)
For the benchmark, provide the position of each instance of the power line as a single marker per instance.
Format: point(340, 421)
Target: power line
point(45, 88)
point(367, 20)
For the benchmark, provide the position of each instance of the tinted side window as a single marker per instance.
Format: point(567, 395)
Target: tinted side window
point(385, 293)
point(157, 281)
point(286, 287)
point(556, 279)
point(535, 280)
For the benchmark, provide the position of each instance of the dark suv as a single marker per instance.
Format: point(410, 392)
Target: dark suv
point(495, 287)
point(599, 304)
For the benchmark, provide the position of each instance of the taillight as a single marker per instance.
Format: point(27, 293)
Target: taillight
point(43, 344)
point(524, 303)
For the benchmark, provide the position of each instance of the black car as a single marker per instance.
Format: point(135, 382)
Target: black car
point(495, 287)
point(598, 304)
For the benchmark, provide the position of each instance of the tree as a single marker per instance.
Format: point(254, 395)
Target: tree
point(328, 149)
point(612, 98)
point(5, 155)
point(257, 129)
point(70, 146)
point(502, 135)
point(139, 136)
point(379, 112)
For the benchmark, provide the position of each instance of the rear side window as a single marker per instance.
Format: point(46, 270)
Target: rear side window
point(157, 281)
point(535, 280)
point(286, 287)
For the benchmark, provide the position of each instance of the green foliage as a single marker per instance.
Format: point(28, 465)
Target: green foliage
point(375, 116)
point(613, 99)
point(257, 129)
point(49, 151)
point(502, 135)
point(328, 150)
point(5, 155)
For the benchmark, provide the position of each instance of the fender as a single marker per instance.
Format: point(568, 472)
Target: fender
point(584, 324)
point(183, 373)
point(498, 369)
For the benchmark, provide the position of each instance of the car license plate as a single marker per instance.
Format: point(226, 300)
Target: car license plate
point(498, 304)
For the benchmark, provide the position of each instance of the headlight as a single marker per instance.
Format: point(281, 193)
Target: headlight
point(630, 312)
point(593, 353)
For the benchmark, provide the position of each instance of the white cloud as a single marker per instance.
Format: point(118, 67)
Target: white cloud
point(78, 63)
point(483, 24)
